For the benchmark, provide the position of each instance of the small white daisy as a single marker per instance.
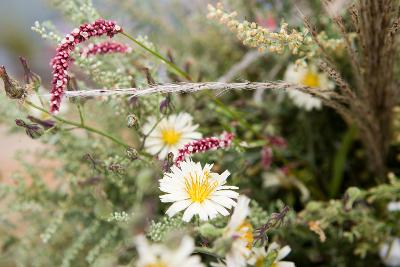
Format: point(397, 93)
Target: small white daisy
point(259, 255)
point(308, 76)
point(156, 255)
point(241, 231)
point(198, 190)
point(169, 134)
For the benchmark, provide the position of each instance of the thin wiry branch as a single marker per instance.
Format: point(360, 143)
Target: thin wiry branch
point(194, 87)
point(329, 97)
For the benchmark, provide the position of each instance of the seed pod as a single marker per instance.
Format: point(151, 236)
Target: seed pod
point(131, 120)
point(13, 89)
point(132, 153)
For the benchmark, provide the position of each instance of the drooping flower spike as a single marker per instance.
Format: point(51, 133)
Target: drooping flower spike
point(203, 145)
point(62, 59)
point(106, 47)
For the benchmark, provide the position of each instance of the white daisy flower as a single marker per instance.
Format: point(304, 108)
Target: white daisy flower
point(390, 253)
point(308, 76)
point(169, 134)
point(259, 255)
point(197, 190)
point(156, 255)
point(240, 231)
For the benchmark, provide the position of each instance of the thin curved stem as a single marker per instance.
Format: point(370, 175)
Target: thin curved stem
point(207, 251)
point(80, 125)
point(185, 75)
point(159, 56)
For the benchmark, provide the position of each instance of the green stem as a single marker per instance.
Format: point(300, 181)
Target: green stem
point(233, 114)
point(81, 114)
point(80, 125)
point(159, 56)
point(207, 251)
point(340, 161)
point(185, 75)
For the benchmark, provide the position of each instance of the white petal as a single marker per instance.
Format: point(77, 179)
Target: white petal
point(224, 201)
point(177, 207)
point(221, 210)
point(203, 213)
point(172, 197)
point(210, 208)
point(285, 264)
point(226, 193)
point(163, 153)
point(240, 213)
point(283, 252)
point(272, 246)
point(190, 212)
point(223, 176)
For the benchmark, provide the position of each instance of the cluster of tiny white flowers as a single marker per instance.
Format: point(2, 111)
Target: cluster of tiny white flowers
point(118, 217)
point(253, 35)
point(45, 30)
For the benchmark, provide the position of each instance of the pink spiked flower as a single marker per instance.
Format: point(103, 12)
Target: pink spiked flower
point(105, 48)
point(62, 59)
point(203, 145)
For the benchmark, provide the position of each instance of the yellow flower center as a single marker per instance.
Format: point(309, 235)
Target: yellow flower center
point(311, 79)
point(199, 188)
point(260, 262)
point(156, 264)
point(247, 233)
point(170, 136)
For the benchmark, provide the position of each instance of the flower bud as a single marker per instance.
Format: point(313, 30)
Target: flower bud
point(168, 162)
point(132, 153)
point(166, 105)
point(13, 89)
point(209, 231)
point(131, 120)
point(46, 124)
point(33, 130)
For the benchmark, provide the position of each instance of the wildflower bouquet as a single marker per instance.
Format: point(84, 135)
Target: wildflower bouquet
point(223, 138)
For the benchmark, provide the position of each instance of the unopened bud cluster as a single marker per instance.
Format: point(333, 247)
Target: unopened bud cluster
point(203, 145)
point(254, 35)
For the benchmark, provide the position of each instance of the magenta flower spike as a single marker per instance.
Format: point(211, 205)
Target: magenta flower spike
point(62, 59)
point(203, 145)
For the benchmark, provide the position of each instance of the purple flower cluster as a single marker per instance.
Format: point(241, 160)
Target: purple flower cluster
point(203, 145)
point(62, 59)
point(105, 48)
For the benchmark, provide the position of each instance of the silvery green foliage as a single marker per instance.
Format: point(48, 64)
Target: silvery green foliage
point(101, 198)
